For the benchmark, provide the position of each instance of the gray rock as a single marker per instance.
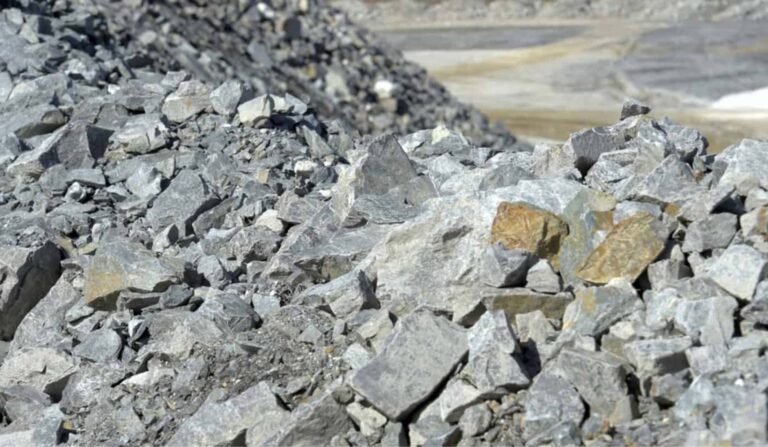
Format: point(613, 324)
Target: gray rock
point(595, 309)
point(119, 266)
point(505, 268)
point(229, 312)
point(370, 421)
point(672, 181)
point(555, 161)
point(312, 424)
point(256, 111)
point(102, 346)
point(551, 401)
point(344, 296)
point(228, 96)
point(667, 389)
point(705, 360)
point(599, 377)
point(145, 183)
point(28, 274)
point(187, 196)
point(44, 324)
point(667, 272)
point(716, 231)
point(738, 270)
point(708, 321)
point(741, 166)
point(142, 134)
point(633, 107)
point(212, 270)
point(588, 144)
point(394, 383)
point(43, 369)
point(256, 410)
point(187, 101)
point(457, 396)
point(476, 420)
point(394, 435)
point(658, 356)
point(30, 165)
point(542, 278)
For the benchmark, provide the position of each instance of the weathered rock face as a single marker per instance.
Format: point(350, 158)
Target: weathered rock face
point(419, 355)
point(28, 274)
point(626, 252)
point(122, 265)
point(521, 226)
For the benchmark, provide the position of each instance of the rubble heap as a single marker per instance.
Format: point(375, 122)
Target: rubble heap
point(191, 260)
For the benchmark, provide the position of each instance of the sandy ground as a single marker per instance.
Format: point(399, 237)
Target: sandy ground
point(546, 80)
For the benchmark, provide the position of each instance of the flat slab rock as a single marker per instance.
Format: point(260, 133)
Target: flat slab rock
point(421, 352)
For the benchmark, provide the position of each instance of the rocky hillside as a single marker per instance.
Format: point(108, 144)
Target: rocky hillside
point(207, 243)
point(381, 13)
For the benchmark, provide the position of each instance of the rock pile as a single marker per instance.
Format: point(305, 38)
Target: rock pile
point(193, 261)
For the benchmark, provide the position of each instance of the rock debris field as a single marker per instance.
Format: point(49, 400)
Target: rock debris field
point(249, 223)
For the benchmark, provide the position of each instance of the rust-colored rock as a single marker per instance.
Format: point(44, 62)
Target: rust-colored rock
point(626, 251)
point(522, 226)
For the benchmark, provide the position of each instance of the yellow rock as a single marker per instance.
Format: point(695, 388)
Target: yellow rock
point(522, 226)
point(626, 252)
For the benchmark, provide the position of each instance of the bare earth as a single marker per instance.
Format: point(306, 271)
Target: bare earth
point(546, 79)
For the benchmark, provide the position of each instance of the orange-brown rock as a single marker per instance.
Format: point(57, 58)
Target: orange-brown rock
point(626, 252)
point(523, 226)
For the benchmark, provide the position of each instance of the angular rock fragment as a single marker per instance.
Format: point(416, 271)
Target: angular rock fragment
point(599, 377)
point(521, 226)
point(542, 278)
point(27, 275)
point(708, 321)
point(188, 100)
point(716, 231)
point(658, 356)
point(738, 270)
point(187, 196)
point(396, 388)
point(311, 424)
point(257, 110)
point(742, 164)
point(503, 267)
point(229, 95)
point(626, 252)
point(255, 410)
point(43, 369)
point(345, 295)
point(120, 266)
point(142, 134)
point(520, 301)
point(595, 309)
point(551, 401)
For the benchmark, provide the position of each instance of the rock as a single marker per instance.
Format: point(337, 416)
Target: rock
point(542, 278)
point(708, 321)
point(229, 312)
point(44, 324)
point(667, 389)
point(186, 197)
point(394, 435)
point(710, 359)
point(142, 134)
point(311, 424)
point(145, 183)
point(228, 96)
point(30, 165)
point(28, 274)
point(521, 226)
point(189, 99)
point(439, 344)
point(520, 301)
point(599, 377)
point(345, 295)
point(716, 231)
point(491, 368)
point(255, 410)
point(369, 420)
point(505, 268)
point(43, 369)
point(738, 270)
point(256, 111)
point(595, 309)
point(551, 401)
point(588, 144)
point(633, 107)
point(658, 356)
point(476, 420)
point(740, 166)
point(270, 219)
point(120, 266)
point(102, 346)
point(457, 396)
point(626, 251)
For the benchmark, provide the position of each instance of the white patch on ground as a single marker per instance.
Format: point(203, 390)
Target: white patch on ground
point(752, 100)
